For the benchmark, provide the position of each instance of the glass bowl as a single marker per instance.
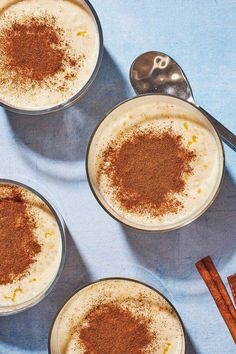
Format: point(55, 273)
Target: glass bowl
point(118, 118)
point(58, 324)
point(37, 297)
point(74, 99)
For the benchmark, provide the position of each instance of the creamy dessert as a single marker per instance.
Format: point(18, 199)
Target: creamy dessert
point(30, 247)
point(48, 51)
point(116, 316)
point(154, 163)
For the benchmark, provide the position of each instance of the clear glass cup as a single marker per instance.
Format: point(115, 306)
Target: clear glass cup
point(72, 100)
point(180, 107)
point(56, 326)
point(15, 308)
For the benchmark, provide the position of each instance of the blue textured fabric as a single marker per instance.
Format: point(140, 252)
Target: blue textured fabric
point(50, 150)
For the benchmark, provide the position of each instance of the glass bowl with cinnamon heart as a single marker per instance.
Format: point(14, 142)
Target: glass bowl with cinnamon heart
point(50, 53)
point(32, 247)
point(155, 162)
point(117, 315)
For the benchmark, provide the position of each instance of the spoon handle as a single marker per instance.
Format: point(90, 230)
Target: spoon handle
point(228, 136)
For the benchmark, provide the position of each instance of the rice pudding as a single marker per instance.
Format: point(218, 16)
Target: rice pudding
point(155, 162)
point(30, 245)
point(116, 316)
point(49, 50)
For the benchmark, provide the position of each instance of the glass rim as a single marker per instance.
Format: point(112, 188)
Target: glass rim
point(184, 222)
point(75, 98)
point(17, 308)
point(116, 278)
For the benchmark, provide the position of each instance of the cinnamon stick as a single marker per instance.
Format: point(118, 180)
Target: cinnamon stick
point(219, 293)
point(232, 284)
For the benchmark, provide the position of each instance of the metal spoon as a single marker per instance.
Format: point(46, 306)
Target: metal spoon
point(157, 72)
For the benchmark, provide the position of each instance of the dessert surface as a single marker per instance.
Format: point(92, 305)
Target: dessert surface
point(49, 49)
point(155, 167)
point(117, 316)
point(30, 243)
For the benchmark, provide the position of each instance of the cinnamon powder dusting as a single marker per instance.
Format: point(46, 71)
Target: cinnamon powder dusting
point(18, 244)
point(110, 329)
point(147, 170)
point(33, 51)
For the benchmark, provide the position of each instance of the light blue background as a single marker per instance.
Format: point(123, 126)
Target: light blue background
point(50, 150)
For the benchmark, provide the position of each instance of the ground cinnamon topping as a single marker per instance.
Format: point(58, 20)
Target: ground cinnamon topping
point(18, 244)
point(110, 329)
point(34, 51)
point(147, 170)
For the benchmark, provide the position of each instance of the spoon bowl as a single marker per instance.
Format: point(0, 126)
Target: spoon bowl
point(157, 72)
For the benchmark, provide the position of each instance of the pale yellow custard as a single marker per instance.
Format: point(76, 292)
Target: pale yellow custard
point(157, 114)
point(138, 298)
point(75, 26)
point(40, 274)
